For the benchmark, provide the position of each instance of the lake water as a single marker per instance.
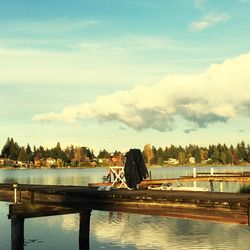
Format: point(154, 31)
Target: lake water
point(112, 230)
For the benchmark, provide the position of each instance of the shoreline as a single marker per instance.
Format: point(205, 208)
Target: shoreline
point(149, 167)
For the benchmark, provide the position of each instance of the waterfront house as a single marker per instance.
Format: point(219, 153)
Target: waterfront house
point(172, 161)
point(191, 160)
point(50, 162)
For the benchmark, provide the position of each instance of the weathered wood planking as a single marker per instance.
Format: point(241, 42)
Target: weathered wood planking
point(225, 207)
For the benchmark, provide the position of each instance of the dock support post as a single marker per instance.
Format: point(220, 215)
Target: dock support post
point(211, 185)
point(221, 186)
point(249, 213)
point(194, 172)
point(15, 192)
point(212, 171)
point(84, 229)
point(17, 233)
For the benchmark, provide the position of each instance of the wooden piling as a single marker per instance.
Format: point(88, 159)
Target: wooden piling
point(221, 186)
point(249, 214)
point(84, 229)
point(211, 185)
point(17, 233)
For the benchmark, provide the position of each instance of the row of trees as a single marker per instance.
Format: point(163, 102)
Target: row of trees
point(213, 154)
point(13, 151)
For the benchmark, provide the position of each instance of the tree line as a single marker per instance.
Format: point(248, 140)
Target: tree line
point(213, 154)
point(74, 155)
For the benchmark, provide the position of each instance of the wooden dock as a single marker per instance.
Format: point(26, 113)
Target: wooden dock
point(44, 200)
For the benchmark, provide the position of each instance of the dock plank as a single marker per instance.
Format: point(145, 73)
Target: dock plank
point(216, 206)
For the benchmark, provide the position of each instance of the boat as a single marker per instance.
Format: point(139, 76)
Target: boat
point(178, 187)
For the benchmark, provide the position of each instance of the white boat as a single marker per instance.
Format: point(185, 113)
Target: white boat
point(178, 186)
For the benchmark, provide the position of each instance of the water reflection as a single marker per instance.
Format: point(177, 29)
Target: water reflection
point(149, 232)
point(53, 176)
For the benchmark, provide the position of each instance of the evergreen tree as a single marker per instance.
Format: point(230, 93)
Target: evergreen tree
point(196, 154)
point(154, 160)
point(242, 151)
point(182, 158)
point(159, 156)
point(229, 158)
point(248, 153)
point(69, 152)
point(6, 149)
point(215, 154)
point(223, 158)
point(30, 155)
point(22, 155)
point(104, 154)
point(14, 150)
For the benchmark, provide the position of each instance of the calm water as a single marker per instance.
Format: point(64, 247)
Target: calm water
point(111, 230)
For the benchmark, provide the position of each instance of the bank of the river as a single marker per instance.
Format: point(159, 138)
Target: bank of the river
point(148, 166)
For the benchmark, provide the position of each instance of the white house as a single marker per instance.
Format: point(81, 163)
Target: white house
point(191, 160)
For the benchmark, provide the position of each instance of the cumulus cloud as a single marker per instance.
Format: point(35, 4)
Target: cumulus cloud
point(208, 21)
point(216, 95)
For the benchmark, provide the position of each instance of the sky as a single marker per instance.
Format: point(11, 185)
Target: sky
point(118, 74)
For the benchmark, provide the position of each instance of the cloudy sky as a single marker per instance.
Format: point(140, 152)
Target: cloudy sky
point(117, 74)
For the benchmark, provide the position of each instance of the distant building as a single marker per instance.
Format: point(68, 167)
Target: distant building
point(2, 161)
point(38, 162)
point(7, 162)
point(191, 160)
point(50, 162)
point(172, 161)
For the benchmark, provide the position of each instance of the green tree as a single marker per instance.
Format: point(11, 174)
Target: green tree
point(29, 153)
point(22, 156)
point(104, 154)
point(248, 153)
point(14, 150)
point(229, 158)
point(242, 151)
point(154, 160)
point(159, 156)
point(6, 149)
point(196, 154)
point(215, 154)
point(223, 158)
point(182, 158)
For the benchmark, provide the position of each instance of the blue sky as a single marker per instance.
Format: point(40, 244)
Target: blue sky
point(118, 74)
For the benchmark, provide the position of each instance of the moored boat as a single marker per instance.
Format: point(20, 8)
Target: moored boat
point(178, 186)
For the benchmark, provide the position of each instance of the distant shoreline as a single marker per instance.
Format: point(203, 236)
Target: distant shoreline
point(149, 167)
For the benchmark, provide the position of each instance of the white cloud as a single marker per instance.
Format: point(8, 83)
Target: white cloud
point(216, 95)
point(132, 44)
point(209, 20)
